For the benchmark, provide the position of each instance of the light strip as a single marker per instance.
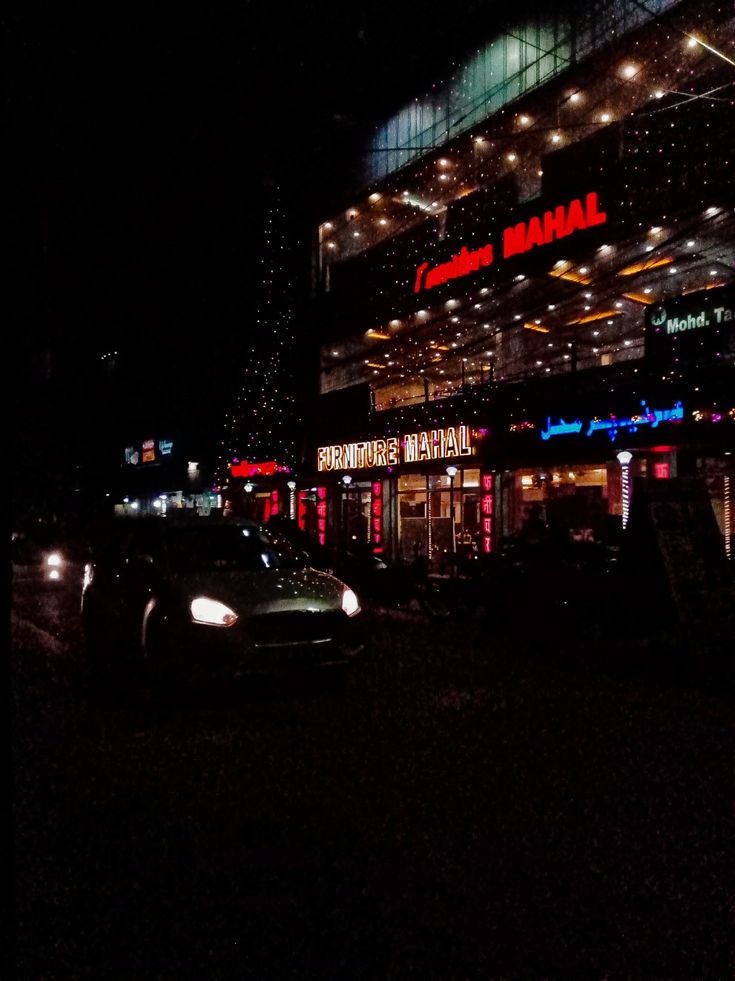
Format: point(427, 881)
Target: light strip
point(600, 315)
point(647, 264)
point(639, 298)
point(529, 325)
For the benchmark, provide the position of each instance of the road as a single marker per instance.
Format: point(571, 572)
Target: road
point(477, 801)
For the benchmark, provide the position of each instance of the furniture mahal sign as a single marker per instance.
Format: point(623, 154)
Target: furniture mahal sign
point(432, 444)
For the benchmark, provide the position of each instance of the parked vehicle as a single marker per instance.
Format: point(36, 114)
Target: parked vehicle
point(210, 599)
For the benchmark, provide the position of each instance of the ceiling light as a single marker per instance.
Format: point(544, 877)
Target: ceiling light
point(511, 157)
point(605, 117)
point(629, 71)
point(443, 177)
point(690, 243)
point(524, 120)
point(555, 138)
point(374, 197)
point(443, 162)
point(658, 94)
point(575, 97)
point(382, 221)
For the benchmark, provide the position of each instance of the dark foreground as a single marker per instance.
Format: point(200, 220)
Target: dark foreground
point(531, 799)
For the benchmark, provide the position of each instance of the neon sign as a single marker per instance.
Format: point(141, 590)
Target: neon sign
point(431, 444)
point(554, 224)
point(376, 515)
point(321, 514)
point(487, 507)
point(241, 468)
point(613, 425)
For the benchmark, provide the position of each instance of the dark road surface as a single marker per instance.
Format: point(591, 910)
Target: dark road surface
point(475, 802)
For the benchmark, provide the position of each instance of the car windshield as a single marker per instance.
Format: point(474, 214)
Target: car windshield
point(232, 548)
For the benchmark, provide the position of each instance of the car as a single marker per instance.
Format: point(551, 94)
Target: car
point(210, 599)
point(45, 558)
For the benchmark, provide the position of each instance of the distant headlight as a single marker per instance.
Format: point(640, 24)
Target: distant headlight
point(350, 603)
point(54, 559)
point(205, 610)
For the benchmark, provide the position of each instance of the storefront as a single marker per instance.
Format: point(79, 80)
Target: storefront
point(461, 491)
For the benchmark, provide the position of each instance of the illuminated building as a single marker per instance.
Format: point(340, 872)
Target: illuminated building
point(542, 253)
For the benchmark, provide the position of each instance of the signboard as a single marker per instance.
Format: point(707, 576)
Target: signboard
point(150, 451)
point(431, 444)
point(674, 547)
point(697, 322)
point(554, 224)
point(613, 424)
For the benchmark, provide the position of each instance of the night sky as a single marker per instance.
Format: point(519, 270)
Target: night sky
point(144, 142)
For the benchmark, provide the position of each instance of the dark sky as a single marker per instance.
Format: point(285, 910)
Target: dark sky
point(144, 138)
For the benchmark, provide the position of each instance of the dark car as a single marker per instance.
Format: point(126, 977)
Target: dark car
point(185, 602)
point(46, 557)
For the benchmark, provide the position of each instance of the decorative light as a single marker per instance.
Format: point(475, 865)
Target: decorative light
point(624, 459)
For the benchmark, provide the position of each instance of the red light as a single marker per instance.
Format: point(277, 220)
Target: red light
point(661, 470)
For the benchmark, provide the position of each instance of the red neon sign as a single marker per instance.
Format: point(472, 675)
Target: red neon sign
point(275, 506)
point(557, 223)
point(376, 511)
point(661, 470)
point(321, 514)
point(245, 469)
point(487, 507)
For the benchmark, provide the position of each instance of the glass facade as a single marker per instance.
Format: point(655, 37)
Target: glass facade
point(513, 63)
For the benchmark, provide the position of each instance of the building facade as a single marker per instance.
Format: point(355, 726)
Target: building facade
point(529, 306)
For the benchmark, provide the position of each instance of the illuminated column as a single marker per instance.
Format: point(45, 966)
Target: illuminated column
point(727, 507)
point(624, 458)
point(487, 505)
point(346, 481)
point(452, 473)
point(292, 499)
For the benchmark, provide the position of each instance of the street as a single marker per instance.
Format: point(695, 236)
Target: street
point(474, 801)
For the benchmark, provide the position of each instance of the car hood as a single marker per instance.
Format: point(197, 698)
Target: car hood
point(267, 591)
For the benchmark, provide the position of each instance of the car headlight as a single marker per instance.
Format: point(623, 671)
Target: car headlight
point(350, 603)
point(205, 610)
